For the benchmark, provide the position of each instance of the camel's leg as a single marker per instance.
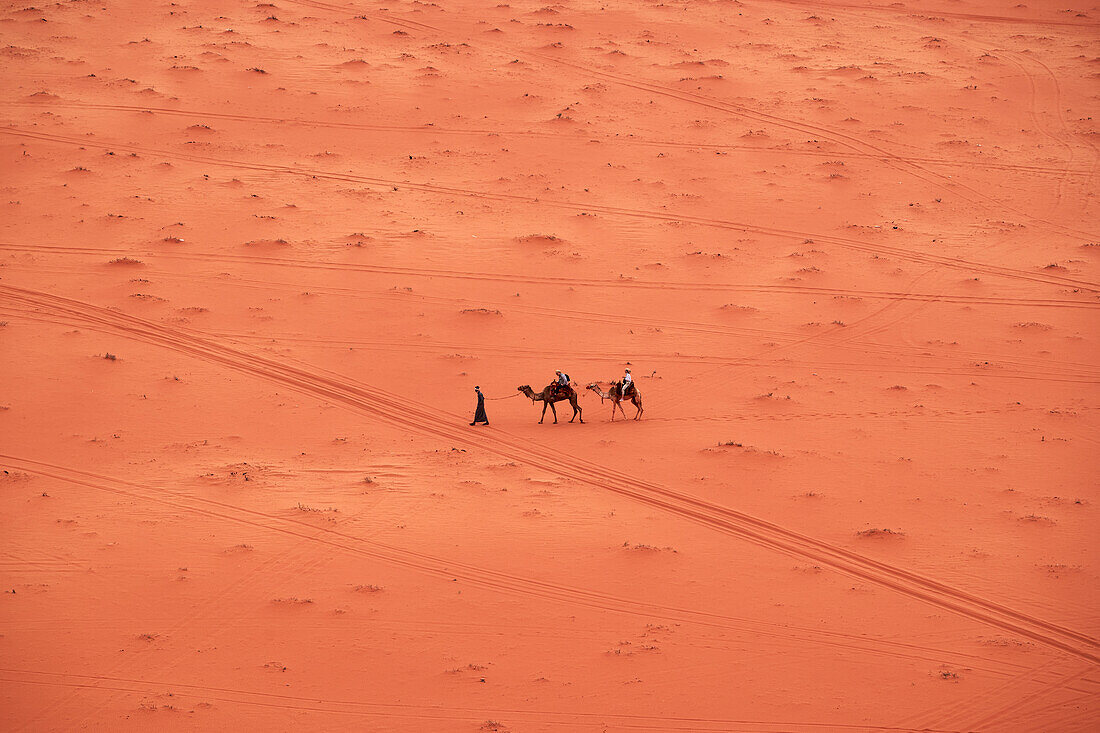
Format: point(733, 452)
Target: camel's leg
point(555, 411)
point(619, 404)
point(578, 412)
point(544, 403)
point(612, 410)
point(638, 415)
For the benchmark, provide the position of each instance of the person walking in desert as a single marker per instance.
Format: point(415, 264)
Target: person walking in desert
point(479, 414)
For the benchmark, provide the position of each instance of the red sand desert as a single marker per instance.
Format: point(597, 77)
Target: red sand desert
point(255, 257)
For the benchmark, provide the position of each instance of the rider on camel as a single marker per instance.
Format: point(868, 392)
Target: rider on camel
point(627, 387)
point(561, 382)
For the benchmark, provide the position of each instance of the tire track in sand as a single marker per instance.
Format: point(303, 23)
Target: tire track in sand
point(957, 263)
point(900, 9)
point(526, 279)
point(850, 141)
point(426, 712)
point(1003, 366)
point(534, 134)
point(414, 416)
point(486, 578)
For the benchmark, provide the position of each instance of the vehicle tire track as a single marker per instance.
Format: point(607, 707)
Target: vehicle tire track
point(534, 134)
point(293, 561)
point(897, 9)
point(880, 249)
point(1016, 706)
point(972, 195)
point(489, 579)
point(410, 415)
point(618, 283)
point(426, 712)
point(989, 365)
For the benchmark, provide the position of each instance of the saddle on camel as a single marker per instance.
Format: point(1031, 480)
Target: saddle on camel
point(558, 390)
point(561, 388)
point(615, 393)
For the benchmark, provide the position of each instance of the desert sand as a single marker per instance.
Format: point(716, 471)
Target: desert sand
point(255, 256)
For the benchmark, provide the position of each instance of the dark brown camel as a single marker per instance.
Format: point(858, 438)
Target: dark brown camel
point(613, 394)
point(549, 397)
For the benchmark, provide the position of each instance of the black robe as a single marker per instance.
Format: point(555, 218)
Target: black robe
point(479, 415)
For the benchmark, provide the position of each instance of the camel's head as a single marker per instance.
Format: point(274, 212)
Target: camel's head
point(523, 388)
point(594, 387)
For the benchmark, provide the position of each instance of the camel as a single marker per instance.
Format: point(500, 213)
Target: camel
point(616, 401)
point(549, 399)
